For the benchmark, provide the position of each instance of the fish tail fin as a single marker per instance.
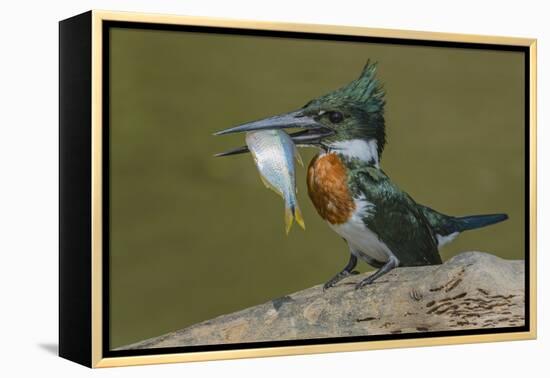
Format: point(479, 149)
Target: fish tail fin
point(289, 217)
point(293, 212)
point(299, 218)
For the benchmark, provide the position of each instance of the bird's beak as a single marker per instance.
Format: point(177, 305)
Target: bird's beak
point(312, 134)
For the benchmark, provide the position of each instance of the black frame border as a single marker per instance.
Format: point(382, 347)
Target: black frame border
point(75, 181)
point(105, 43)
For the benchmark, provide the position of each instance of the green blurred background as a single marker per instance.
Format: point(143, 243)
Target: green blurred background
point(194, 237)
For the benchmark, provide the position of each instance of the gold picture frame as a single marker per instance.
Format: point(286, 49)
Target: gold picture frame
point(82, 195)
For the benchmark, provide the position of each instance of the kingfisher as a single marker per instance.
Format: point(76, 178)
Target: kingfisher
point(381, 224)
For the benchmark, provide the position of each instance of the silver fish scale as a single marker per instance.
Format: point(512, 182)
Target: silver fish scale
point(273, 151)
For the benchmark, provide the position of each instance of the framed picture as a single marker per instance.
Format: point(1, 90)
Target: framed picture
point(412, 222)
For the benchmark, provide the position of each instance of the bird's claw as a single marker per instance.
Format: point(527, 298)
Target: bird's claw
point(361, 284)
point(329, 284)
point(334, 280)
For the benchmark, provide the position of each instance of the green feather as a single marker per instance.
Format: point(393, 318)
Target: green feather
point(365, 92)
point(361, 102)
point(396, 219)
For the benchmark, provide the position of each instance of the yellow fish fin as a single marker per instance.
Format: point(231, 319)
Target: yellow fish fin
point(299, 217)
point(269, 186)
point(298, 157)
point(264, 181)
point(288, 219)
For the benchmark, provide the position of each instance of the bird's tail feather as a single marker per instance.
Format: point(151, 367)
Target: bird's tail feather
point(477, 221)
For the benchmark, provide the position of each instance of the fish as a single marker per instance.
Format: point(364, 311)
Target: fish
point(274, 154)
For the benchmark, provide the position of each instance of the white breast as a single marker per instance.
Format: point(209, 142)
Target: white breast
point(359, 236)
point(359, 149)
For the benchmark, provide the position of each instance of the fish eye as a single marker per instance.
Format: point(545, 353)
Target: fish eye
point(335, 117)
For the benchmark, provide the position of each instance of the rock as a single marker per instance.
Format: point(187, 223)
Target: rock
point(472, 290)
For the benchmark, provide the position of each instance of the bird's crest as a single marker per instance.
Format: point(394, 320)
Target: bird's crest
point(366, 91)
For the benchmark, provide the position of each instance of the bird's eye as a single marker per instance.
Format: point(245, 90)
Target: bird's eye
point(335, 117)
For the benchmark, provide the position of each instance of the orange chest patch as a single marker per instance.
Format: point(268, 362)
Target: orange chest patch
point(327, 187)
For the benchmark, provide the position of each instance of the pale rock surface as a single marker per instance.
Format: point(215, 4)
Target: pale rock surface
point(473, 290)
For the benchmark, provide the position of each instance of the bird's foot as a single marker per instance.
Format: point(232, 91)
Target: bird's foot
point(333, 281)
point(367, 281)
point(389, 265)
point(337, 278)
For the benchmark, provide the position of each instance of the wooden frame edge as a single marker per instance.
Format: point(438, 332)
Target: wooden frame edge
point(310, 28)
point(309, 349)
point(98, 16)
point(533, 185)
point(97, 195)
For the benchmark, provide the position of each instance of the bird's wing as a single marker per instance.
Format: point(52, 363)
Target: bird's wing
point(397, 220)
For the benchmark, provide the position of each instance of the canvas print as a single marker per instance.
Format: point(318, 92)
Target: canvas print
point(399, 174)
